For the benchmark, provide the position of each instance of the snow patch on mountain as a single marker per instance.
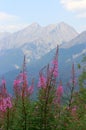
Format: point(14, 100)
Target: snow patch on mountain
point(16, 66)
point(79, 54)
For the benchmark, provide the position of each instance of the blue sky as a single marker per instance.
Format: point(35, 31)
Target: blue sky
point(17, 14)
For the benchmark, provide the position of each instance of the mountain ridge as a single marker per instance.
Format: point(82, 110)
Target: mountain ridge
point(81, 38)
point(13, 57)
point(36, 32)
point(35, 40)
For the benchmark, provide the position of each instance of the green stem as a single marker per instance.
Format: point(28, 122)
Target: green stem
point(24, 112)
point(8, 119)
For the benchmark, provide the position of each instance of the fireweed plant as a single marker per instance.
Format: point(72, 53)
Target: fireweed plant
point(55, 108)
point(5, 106)
point(22, 92)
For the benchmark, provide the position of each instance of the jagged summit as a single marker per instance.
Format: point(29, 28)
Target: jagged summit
point(35, 24)
point(35, 40)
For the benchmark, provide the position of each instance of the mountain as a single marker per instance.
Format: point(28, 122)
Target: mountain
point(4, 35)
point(67, 56)
point(55, 33)
point(34, 41)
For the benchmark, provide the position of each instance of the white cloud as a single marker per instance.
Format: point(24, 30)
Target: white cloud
point(10, 23)
point(8, 17)
point(74, 5)
point(81, 15)
point(12, 28)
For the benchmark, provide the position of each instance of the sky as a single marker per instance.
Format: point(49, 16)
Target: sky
point(18, 14)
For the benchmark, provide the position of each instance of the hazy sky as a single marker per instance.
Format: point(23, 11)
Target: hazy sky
point(17, 14)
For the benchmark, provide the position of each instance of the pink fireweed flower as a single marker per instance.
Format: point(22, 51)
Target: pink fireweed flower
point(2, 105)
point(8, 102)
point(60, 90)
point(5, 103)
point(59, 93)
point(4, 91)
point(55, 68)
point(16, 85)
point(16, 82)
point(42, 81)
point(30, 90)
point(23, 76)
point(27, 91)
point(21, 85)
point(3, 82)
